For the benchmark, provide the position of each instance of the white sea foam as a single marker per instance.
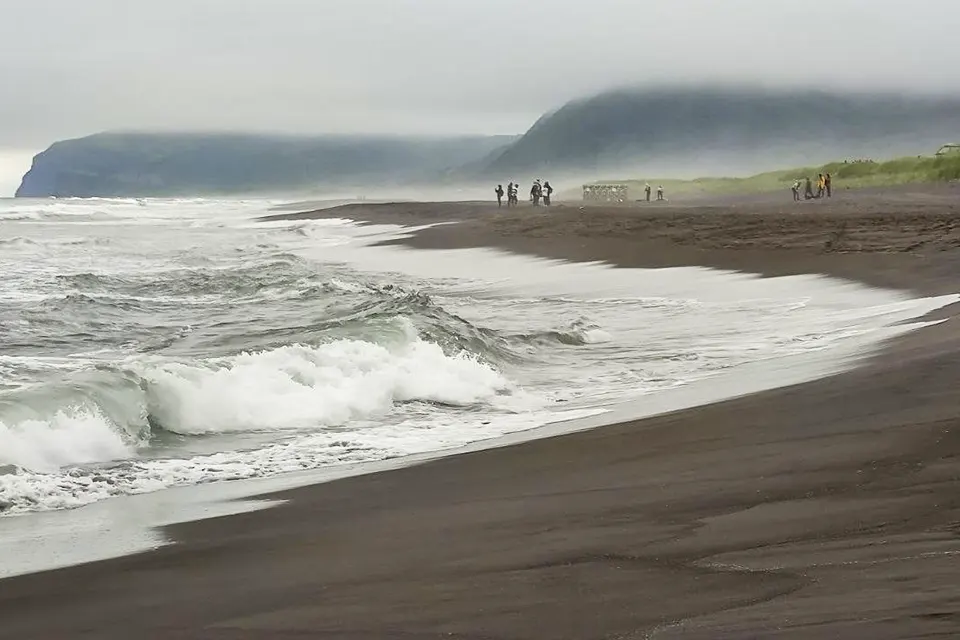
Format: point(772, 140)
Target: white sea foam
point(69, 437)
point(301, 387)
point(25, 490)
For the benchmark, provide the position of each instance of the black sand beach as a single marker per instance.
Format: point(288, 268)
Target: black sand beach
point(825, 510)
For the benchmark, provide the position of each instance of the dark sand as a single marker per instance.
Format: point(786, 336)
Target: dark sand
point(825, 510)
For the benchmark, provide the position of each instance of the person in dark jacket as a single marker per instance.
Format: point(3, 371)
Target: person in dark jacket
point(547, 193)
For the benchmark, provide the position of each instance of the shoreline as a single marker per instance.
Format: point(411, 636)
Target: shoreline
point(822, 508)
point(892, 239)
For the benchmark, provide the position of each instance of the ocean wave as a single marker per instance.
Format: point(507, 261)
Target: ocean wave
point(19, 216)
point(197, 310)
point(579, 333)
point(22, 241)
point(76, 242)
point(280, 271)
point(17, 241)
point(293, 301)
point(107, 413)
point(301, 387)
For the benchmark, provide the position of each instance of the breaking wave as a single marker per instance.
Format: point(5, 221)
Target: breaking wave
point(291, 388)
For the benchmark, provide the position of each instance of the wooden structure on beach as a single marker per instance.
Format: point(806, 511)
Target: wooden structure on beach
point(605, 193)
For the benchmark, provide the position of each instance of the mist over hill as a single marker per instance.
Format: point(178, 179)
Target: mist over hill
point(183, 164)
point(692, 131)
point(662, 132)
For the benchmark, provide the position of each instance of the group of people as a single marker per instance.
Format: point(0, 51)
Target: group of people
point(824, 188)
point(541, 191)
point(647, 190)
point(603, 192)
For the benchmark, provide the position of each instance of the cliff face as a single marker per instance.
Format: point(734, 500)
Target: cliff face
point(644, 127)
point(141, 164)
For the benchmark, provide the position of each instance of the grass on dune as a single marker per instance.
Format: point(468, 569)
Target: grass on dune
point(853, 175)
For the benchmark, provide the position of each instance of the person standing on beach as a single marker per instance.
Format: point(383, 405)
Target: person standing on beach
point(547, 193)
point(808, 190)
point(796, 191)
point(535, 195)
point(510, 194)
point(647, 190)
point(499, 192)
point(821, 187)
point(828, 184)
point(660, 193)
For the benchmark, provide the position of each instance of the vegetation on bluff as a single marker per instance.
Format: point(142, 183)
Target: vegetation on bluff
point(846, 175)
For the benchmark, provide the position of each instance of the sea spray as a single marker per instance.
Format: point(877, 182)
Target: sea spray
point(69, 437)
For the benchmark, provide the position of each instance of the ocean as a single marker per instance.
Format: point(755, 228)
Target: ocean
point(150, 344)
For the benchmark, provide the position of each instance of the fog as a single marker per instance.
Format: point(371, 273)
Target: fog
point(72, 68)
point(13, 164)
point(411, 66)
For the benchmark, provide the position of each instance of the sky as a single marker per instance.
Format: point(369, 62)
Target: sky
point(73, 67)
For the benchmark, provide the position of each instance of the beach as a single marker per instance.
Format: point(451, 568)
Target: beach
point(826, 509)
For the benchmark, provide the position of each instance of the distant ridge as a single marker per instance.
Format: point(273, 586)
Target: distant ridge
point(643, 127)
point(182, 164)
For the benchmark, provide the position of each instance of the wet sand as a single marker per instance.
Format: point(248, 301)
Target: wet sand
point(828, 509)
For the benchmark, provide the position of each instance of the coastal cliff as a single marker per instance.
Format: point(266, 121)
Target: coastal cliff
point(183, 164)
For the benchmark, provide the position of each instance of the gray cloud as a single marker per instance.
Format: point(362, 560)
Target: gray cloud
point(70, 68)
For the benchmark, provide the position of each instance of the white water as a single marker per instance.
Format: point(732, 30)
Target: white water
point(268, 348)
point(299, 387)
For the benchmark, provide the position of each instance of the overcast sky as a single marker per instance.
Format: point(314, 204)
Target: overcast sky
point(73, 67)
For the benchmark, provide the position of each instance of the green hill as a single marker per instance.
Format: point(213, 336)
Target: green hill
point(691, 129)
